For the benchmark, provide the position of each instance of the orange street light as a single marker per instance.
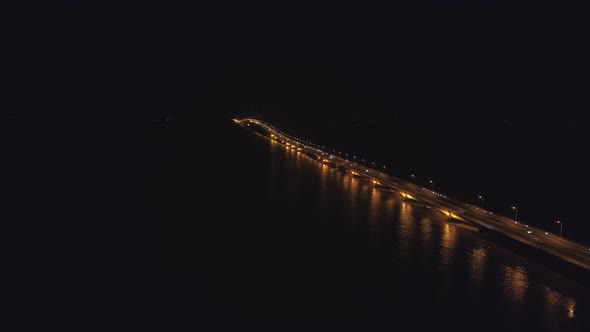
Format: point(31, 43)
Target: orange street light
point(515, 212)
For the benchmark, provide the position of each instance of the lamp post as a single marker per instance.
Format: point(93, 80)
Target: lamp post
point(481, 197)
point(431, 185)
point(413, 178)
point(560, 227)
point(515, 213)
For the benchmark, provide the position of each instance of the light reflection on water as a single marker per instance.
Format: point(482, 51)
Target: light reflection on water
point(426, 233)
point(405, 231)
point(477, 261)
point(571, 308)
point(352, 200)
point(423, 243)
point(375, 214)
point(324, 184)
point(515, 283)
point(447, 246)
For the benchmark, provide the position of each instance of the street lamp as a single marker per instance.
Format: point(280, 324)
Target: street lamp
point(431, 185)
point(413, 178)
point(515, 212)
point(560, 227)
point(481, 197)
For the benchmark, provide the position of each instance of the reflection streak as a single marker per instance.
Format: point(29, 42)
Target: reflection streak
point(515, 283)
point(477, 261)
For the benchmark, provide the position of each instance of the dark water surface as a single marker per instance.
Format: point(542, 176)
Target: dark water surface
point(288, 239)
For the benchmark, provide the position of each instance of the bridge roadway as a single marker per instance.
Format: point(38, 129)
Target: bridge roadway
point(550, 243)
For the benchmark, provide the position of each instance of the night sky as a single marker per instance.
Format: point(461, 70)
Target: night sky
point(83, 79)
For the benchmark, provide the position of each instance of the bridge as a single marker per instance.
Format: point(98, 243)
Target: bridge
point(545, 242)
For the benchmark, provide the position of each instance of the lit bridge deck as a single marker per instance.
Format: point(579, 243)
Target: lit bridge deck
point(549, 243)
